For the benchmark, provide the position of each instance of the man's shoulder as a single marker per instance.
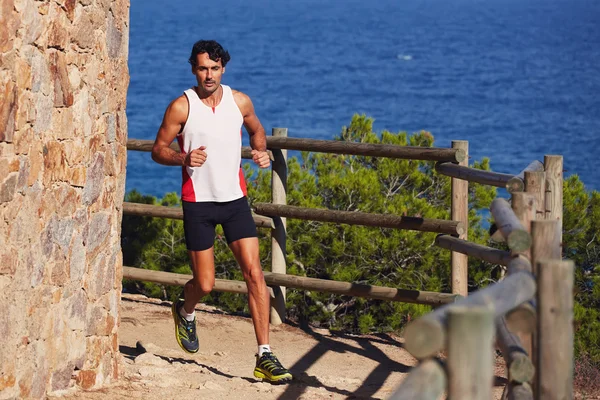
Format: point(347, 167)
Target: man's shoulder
point(241, 99)
point(179, 107)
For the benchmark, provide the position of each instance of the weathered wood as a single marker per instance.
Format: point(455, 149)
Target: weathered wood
point(546, 242)
point(517, 238)
point(519, 365)
point(518, 391)
point(554, 190)
point(518, 263)
point(367, 149)
point(523, 205)
point(459, 211)
point(470, 362)
point(479, 251)
point(169, 278)
point(279, 234)
point(146, 145)
point(360, 218)
point(150, 210)
point(554, 370)
point(535, 185)
point(496, 179)
point(425, 336)
point(360, 290)
point(523, 318)
point(517, 183)
point(534, 166)
point(301, 282)
point(426, 381)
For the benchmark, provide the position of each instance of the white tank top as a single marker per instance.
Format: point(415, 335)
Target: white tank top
point(218, 128)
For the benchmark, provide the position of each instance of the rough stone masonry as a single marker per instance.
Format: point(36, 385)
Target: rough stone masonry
point(63, 132)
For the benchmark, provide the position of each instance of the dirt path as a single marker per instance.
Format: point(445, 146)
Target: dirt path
point(324, 366)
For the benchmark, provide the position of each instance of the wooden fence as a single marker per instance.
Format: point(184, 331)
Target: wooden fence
point(529, 313)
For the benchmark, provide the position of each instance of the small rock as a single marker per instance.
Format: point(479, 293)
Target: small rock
point(150, 359)
point(210, 385)
point(147, 347)
point(220, 353)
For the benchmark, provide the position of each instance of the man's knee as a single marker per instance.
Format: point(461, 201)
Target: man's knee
point(205, 286)
point(254, 275)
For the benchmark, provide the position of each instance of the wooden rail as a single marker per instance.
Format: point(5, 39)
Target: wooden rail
point(517, 237)
point(367, 149)
point(146, 145)
point(427, 335)
point(301, 282)
point(336, 147)
point(151, 210)
point(497, 179)
point(360, 218)
point(484, 253)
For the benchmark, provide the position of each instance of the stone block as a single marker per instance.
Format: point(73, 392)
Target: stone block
point(8, 188)
point(86, 379)
point(55, 163)
point(62, 377)
point(94, 180)
point(113, 37)
point(98, 233)
point(62, 125)
point(63, 95)
point(8, 106)
point(26, 113)
point(58, 35)
point(83, 36)
point(23, 74)
point(8, 261)
point(77, 259)
point(43, 117)
point(10, 24)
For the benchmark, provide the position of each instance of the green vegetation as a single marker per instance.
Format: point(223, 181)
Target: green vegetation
point(377, 256)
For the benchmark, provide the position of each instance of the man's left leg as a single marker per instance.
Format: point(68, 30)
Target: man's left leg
point(246, 253)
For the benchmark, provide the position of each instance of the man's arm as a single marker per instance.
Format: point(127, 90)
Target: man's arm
point(173, 121)
point(258, 139)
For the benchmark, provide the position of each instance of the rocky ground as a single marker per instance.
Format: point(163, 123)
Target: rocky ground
point(325, 366)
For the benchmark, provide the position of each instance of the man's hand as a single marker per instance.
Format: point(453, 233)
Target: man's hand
point(261, 158)
point(196, 157)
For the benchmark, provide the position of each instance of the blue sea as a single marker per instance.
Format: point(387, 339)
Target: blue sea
point(518, 79)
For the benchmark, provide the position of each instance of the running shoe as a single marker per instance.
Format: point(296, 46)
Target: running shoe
point(185, 331)
point(270, 369)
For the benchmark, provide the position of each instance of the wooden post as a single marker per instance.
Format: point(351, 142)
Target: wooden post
point(523, 204)
point(555, 330)
point(546, 242)
point(554, 191)
point(470, 356)
point(535, 183)
point(279, 234)
point(460, 212)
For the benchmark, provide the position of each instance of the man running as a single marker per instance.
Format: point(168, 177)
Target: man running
point(207, 121)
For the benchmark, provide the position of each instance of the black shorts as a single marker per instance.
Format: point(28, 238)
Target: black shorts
point(201, 218)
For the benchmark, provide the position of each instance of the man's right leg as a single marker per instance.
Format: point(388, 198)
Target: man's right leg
point(199, 228)
point(202, 282)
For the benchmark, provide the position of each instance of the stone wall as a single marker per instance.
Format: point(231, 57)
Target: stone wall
point(63, 132)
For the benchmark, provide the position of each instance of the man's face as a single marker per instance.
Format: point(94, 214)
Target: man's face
point(208, 73)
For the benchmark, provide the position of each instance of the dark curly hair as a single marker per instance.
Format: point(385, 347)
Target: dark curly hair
point(215, 51)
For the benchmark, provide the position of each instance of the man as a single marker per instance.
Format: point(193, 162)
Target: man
point(206, 121)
